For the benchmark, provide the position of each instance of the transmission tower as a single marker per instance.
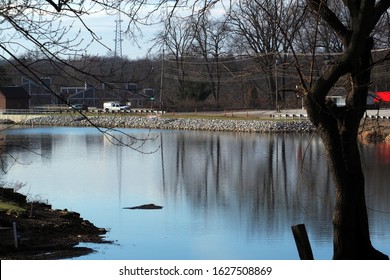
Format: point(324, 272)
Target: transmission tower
point(118, 36)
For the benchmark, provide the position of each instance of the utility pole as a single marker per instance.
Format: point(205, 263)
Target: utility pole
point(276, 86)
point(162, 78)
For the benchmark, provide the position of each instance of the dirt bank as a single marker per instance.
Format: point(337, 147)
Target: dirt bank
point(42, 232)
point(375, 131)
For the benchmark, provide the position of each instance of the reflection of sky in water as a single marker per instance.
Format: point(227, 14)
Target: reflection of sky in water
point(225, 195)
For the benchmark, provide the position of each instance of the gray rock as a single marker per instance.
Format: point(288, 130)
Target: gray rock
point(107, 121)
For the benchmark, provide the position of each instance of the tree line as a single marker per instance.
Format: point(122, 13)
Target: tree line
point(239, 58)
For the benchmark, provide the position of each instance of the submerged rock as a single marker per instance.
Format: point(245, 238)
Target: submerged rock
point(145, 207)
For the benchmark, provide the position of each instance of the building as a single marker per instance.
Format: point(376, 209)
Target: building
point(39, 92)
point(14, 98)
point(43, 93)
point(85, 95)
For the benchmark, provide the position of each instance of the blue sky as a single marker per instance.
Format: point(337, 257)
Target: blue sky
point(101, 23)
point(104, 26)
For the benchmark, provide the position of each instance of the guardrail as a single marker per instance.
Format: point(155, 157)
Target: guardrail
point(29, 111)
point(59, 110)
point(376, 117)
point(288, 116)
point(304, 116)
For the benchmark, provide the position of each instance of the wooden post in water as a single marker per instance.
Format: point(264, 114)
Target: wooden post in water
point(15, 235)
point(302, 242)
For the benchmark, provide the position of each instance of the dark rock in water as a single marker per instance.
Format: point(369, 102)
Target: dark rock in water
point(144, 207)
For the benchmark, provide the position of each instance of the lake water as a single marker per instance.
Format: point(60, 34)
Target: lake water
point(224, 195)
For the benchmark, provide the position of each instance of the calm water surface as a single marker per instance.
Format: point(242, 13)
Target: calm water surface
point(225, 195)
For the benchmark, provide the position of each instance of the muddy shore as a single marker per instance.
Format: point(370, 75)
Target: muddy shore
point(43, 232)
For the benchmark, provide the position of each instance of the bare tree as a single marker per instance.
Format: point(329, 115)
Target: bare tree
point(326, 40)
point(338, 126)
point(176, 41)
point(262, 27)
point(211, 40)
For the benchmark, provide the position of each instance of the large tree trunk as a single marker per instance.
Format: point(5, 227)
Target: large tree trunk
point(338, 127)
point(351, 238)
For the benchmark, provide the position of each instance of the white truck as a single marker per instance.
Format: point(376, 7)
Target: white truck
point(115, 106)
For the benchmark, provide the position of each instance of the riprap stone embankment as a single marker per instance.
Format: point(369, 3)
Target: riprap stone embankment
point(176, 123)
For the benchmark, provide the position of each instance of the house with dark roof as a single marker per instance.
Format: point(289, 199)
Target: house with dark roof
point(14, 98)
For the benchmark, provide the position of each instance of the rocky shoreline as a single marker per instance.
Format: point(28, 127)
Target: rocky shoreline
point(42, 232)
point(371, 130)
point(175, 123)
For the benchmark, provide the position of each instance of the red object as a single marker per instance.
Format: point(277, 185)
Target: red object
point(382, 96)
point(382, 152)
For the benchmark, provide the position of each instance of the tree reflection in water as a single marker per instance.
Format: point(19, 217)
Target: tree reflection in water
point(246, 189)
point(275, 180)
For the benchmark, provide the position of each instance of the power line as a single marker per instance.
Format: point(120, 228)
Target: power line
point(199, 60)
